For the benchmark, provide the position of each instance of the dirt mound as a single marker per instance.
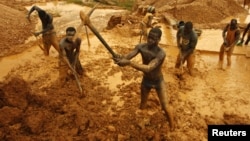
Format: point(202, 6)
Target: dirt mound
point(57, 113)
point(198, 11)
point(15, 29)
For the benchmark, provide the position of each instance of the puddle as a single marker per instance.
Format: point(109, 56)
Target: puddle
point(32, 55)
point(118, 101)
point(114, 80)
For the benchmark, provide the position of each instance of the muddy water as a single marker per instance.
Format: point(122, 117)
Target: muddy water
point(65, 15)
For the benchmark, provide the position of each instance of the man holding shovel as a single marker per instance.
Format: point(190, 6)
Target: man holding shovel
point(231, 35)
point(186, 42)
point(69, 57)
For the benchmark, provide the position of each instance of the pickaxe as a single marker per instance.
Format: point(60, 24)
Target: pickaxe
point(140, 36)
point(86, 21)
point(76, 76)
point(80, 26)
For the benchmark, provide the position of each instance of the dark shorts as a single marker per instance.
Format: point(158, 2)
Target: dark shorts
point(152, 83)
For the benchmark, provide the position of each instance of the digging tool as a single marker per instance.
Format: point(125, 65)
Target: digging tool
point(75, 75)
point(77, 80)
point(80, 26)
point(86, 30)
point(86, 21)
point(38, 41)
point(140, 37)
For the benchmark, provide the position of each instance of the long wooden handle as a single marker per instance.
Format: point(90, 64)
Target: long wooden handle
point(75, 75)
point(86, 21)
point(86, 30)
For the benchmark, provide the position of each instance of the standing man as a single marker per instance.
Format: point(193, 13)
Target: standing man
point(69, 55)
point(246, 31)
point(186, 42)
point(152, 59)
point(231, 35)
point(48, 32)
point(146, 22)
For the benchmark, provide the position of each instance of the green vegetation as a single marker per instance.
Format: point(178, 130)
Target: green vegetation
point(127, 4)
point(74, 1)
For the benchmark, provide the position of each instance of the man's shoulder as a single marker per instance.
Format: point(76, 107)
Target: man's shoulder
point(141, 45)
point(180, 30)
point(149, 14)
point(78, 39)
point(62, 41)
point(162, 51)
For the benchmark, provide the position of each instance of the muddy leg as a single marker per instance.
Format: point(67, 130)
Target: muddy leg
point(178, 62)
point(79, 68)
point(144, 96)
point(229, 61)
point(46, 45)
point(229, 54)
point(170, 117)
point(54, 41)
point(63, 74)
point(248, 39)
point(190, 63)
point(161, 91)
point(221, 57)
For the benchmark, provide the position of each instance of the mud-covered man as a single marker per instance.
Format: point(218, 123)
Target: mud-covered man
point(231, 35)
point(146, 22)
point(152, 59)
point(48, 33)
point(246, 32)
point(186, 42)
point(69, 55)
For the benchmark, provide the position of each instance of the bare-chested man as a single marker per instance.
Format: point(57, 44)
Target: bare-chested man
point(246, 32)
point(146, 22)
point(231, 35)
point(69, 55)
point(152, 59)
point(48, 32)
point(186, 42)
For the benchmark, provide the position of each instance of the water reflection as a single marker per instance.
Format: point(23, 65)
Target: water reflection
point(210, 40)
